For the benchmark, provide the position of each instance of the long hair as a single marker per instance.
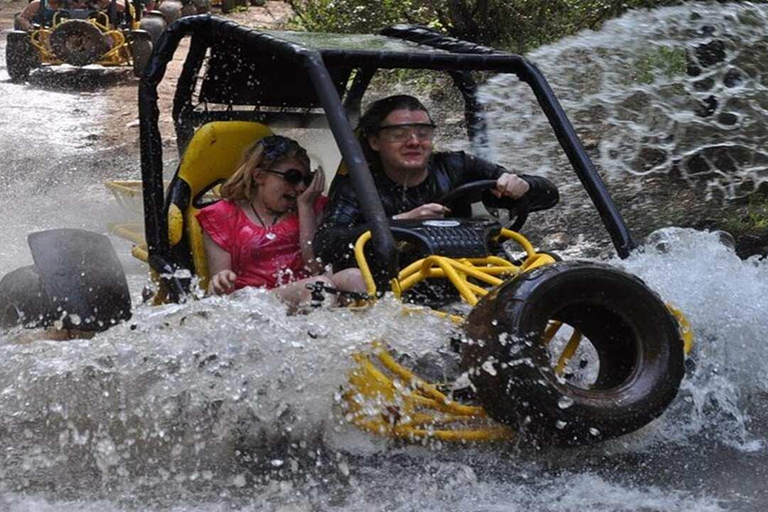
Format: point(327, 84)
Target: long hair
point(261, 154)
point(370, 122)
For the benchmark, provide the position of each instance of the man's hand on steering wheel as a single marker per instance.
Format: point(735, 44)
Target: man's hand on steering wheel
point(510, 185)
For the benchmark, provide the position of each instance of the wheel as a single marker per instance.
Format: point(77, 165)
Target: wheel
point(141, 51)
point(627, 368)
point(171, 10)
point(460, 199)
point(227, 6)
point(154, 23)
point(78, 42)
point(23, 299)
point(20, 56)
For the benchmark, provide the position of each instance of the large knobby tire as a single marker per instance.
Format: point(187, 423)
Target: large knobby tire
point(634, 342)
point(78, 42)
point(20, 56)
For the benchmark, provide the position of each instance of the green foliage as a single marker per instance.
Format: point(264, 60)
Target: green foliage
point(662, 59)
point(754, 220)
point(518, 25)
point(355, 16)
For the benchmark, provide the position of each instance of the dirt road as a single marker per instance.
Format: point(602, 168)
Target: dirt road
point(66, 132)
point(120, 115)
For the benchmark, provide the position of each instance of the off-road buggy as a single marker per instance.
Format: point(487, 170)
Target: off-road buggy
point(566, 352)
point(79, 37)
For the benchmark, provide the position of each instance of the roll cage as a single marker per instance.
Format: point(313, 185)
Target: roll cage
point(307, 80)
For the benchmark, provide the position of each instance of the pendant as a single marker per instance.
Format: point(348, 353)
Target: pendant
point(270, 235)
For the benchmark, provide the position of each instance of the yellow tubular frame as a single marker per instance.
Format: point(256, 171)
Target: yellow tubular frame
point(385, 398)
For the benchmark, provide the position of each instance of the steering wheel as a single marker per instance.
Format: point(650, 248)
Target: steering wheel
point(477, 191)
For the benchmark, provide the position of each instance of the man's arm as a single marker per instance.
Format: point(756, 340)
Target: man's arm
point(24, 20)
point(541, 194)
point(104, 5)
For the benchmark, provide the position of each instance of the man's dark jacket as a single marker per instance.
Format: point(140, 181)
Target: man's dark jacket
point(343, 221)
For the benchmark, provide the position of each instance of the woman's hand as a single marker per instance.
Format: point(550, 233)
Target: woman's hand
point(510, 185)
point(313, 191)
point(425, 211)
point(222, 282)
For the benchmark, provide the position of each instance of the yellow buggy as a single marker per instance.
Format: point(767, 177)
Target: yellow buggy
point(79, 37)
point(560, 352)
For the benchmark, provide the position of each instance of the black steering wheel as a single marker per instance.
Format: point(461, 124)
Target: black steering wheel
point(476, 191)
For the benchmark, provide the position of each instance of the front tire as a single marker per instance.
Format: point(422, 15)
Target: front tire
point(635, 346)
point(78, 42)
point(20, 56)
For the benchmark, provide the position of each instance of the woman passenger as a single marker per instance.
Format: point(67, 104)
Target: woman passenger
point(260, 233)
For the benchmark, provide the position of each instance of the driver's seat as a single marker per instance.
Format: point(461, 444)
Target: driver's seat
point(210, 158)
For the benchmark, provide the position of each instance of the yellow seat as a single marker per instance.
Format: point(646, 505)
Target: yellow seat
point(210, 158)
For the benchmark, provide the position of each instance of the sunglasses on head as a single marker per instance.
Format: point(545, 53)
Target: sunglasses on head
point(277, 145)
point(294, 176)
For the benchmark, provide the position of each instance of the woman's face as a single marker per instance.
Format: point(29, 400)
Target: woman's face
point(277, 188)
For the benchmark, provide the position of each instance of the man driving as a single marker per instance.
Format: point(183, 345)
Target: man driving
point(396, 134)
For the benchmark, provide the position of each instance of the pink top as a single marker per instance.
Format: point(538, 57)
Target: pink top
point(258, 258)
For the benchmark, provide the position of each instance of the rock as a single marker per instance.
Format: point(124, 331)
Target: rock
point(710, 53)
point(732, 78)
point(727, 118)
point(707, 107)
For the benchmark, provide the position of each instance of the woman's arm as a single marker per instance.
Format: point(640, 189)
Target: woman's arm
point(308, 221)
point(222, 280)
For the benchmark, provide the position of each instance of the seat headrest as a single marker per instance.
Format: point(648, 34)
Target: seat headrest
point(215, 150)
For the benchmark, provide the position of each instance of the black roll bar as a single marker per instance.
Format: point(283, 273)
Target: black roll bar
point(156, 226)
point(566, 135)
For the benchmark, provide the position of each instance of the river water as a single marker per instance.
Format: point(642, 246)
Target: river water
point(229, 404)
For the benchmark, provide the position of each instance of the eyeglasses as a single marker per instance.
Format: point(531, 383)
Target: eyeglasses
point(403, 132)
point(294, 176)
point(277, 145)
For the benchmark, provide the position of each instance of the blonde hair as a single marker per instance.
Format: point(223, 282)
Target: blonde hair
point(261, 154)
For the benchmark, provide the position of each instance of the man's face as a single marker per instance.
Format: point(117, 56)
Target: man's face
point(405, 140)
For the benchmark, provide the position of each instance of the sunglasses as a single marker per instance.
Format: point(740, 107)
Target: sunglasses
point(294, 176)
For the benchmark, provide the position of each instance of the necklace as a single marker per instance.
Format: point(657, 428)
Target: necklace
point(270, 235)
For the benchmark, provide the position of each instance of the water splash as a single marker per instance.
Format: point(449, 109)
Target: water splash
point(725, 300)
point(679, 90)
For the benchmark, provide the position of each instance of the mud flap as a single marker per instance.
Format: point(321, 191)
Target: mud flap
point(83, 278)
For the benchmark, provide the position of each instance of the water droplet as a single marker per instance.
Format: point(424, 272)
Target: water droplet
point(277, 463)
point(594, 431)
point(565, 402)
point(560, 424)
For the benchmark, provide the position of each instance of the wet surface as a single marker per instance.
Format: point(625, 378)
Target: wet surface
point(223, 405)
